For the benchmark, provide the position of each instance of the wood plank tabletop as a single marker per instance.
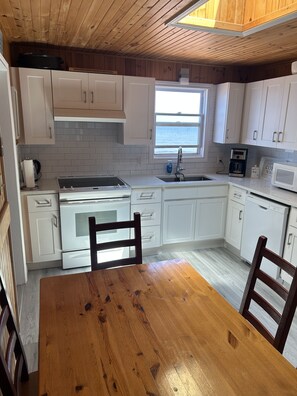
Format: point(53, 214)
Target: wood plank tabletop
point(151, 329)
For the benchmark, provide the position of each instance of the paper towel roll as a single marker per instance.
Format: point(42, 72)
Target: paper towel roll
point(29, 173)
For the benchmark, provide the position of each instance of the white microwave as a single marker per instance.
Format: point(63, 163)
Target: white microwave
point(284, 175)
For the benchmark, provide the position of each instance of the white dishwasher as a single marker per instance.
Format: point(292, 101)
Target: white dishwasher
point(268, 218)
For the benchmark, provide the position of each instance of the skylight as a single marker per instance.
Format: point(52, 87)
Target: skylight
point(236, 18)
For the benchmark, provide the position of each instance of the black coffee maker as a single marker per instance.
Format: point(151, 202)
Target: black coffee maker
point(237, 164)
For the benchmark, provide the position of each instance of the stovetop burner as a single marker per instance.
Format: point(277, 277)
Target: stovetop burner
point(89, 182)
point(92, 187)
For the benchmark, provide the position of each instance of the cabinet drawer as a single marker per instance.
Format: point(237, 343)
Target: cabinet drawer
point(146, 195)
point(150, 213)
point(150, 237)
point(237, 194)
point(293, 217)
point(42, 202)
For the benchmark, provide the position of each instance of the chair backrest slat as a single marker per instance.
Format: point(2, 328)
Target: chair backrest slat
point(284, 318)
point(95, 247)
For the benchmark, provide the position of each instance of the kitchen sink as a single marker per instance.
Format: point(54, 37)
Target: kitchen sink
point(186, 179)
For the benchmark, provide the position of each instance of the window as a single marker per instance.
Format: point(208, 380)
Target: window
point(179, 113)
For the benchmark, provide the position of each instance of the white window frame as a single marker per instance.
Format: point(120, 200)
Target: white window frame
point(208, 113)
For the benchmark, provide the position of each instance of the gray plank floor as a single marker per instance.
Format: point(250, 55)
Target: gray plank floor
point(224, 271)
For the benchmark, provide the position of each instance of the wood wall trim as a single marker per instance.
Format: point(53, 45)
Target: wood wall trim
point(162, 70)
point(4, 223)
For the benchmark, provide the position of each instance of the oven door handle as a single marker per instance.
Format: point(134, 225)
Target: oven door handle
point(91, 201)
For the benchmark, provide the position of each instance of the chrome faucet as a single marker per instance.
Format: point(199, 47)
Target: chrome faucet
point(178, 172)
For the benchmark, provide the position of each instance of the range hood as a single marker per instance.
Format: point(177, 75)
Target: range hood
point(86, 115)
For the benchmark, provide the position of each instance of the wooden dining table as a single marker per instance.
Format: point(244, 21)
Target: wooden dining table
point(151, 329)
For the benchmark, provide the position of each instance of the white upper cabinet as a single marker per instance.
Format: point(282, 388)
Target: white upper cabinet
point(139, 107)
point(270, 111)
point(229, 103)
point(278, 113)
point(37, 106)
point(287, 134)
point(251, 112)
point(73, 90)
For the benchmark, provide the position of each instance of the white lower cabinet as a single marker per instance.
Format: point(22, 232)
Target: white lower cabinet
point(235, 214)
point(210, 218)
point(148, 203)
point(198, 214)
point(179, 221)
point(44, 227)
point(290, 250)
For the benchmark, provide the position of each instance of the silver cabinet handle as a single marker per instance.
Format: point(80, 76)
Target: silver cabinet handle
point(43, 203)
point(85, 96)
point(92, 96)
point(55, 221)
point(50, 131)
point(274, 137)
point(280, 137)
point(146, 195)
point(240, 215)
point(290, 239)
point(147, 215)
point(147, 237)
point(255, 135)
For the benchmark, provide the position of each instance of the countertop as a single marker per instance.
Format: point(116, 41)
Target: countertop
point(262, 187)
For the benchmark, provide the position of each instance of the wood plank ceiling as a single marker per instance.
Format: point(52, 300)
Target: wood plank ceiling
point(137, 28)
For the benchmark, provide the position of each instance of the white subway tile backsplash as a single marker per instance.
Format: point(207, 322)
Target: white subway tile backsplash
point(93, 148)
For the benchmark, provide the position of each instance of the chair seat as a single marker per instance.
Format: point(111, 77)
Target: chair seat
point(30, 388)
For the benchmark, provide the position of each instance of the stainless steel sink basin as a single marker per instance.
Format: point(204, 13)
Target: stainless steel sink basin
point(171, 179)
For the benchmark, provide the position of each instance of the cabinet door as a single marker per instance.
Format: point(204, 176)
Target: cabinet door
point(37, 105)
point(290, 252)
point(70, 90)
point(271, 111)
point(105, 92)
point(228, 112)
point(178, 221)
point(251, 112)
point(287, 136)
point(234, 224)
point(210, 218)
point(45, 236)
point(139, 107)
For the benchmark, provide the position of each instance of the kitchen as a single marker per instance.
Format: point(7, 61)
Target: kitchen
point(82, 147)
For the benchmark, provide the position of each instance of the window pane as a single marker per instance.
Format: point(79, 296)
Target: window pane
point(176, 135)
point(172, 150)
point(177, 118)
point(178, 102)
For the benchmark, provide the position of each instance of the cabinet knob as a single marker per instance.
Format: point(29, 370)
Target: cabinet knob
point(92, 96)
point(280, 137)
point(274, 137)
point(50, 131)
point(255, 134)
point(240, 215)
point(85, 96)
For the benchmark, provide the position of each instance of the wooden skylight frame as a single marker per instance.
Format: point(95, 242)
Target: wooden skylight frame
point(235, 18)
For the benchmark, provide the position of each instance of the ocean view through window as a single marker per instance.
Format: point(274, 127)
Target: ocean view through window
point(180, 113)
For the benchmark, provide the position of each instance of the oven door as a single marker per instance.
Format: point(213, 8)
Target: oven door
point(75, 225)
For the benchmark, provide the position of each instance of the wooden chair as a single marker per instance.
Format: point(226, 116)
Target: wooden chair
point(14, 377)
point(96, 247)
point(289, 295)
